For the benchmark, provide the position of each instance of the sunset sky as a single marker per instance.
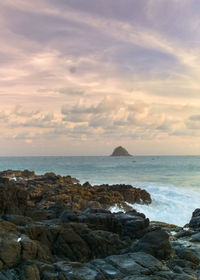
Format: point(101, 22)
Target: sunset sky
point(79, 77)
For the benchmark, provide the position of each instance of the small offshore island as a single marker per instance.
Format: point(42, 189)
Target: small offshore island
point(120, 152)
point(52, 227)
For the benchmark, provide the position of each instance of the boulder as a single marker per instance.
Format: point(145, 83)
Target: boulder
point(30, 272)
point(132, 224)
point(155, 243)
point(10, 251)
point(195, 220)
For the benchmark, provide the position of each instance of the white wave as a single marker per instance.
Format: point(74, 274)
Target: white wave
point(115, 209)
point(170, 204)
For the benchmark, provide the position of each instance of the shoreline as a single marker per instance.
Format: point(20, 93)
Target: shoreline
point(53, 227)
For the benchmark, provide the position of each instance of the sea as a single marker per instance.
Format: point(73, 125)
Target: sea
point(172, 181)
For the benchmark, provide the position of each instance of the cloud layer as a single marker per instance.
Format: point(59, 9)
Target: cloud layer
point(99, 74)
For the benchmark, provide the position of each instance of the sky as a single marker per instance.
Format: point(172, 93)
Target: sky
point(80, 77)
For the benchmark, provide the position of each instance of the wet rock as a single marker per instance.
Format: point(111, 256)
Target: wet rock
point(32, 194)
point(155, 243)
point(48, 232)
point(195, 220)
point(131, 224)
point(195, 237)
point(29, 272)
point(13, 198)
point(107, 269)
point(167, 227)
point(184, 233)
point(17, 219)
point(29, 248)
point(188, 255)
point(10, 250)
point(86, 272)
point(11, 274)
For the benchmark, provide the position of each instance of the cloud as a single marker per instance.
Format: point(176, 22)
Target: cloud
point(65, 90)
point(195, 118)
point(108, 70)
point(115, 117)
point(18, 111)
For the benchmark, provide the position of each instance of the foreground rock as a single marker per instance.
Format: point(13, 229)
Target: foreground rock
point(46, 233)
point(195, 220)
point(93, 244)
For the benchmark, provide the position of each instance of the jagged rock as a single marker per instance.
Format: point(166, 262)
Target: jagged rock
point(132, 224)
point(195, 237)
point(13, 198)
point(195, 220)
point(48, 232)
point(119, 152)
point(54, 193)
point(29, 272)
point(14, 174)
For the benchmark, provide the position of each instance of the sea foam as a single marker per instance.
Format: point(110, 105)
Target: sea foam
point(170, 204)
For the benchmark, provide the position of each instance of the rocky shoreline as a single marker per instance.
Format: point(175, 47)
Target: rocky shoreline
point(52, 227)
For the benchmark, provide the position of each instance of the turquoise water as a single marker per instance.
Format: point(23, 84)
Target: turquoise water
point(173, 181)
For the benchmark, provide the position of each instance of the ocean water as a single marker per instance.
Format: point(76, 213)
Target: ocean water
point(172, 181)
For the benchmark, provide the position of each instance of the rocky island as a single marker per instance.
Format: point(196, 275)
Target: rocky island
point(52, 227)
point(120, 152)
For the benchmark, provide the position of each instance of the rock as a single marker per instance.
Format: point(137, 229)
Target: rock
point(132, 224)
point(135, 263)
point(46, 196)
point(127, 264)
point(167, 227)
point(107, 269)
point(85, 272)
point(10, 274)
point(195, 237)
point(13, 198)
point(16, 175)
point(195, 220)
point(120, 151)
point(48, 232)
point(17, 219)
point(155, 243)
point(184, 233)
point(10, 251)
point(29, 248)
point(188, 255)
point(108, 194)
point(29, 272)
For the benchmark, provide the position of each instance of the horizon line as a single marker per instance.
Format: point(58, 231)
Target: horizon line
point(170, 155)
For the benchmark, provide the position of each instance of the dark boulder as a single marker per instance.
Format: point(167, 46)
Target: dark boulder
point(195, 220)
point(132, 224)
point(156, 243)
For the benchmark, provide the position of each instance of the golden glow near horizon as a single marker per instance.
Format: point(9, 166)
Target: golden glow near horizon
point(81, 78)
